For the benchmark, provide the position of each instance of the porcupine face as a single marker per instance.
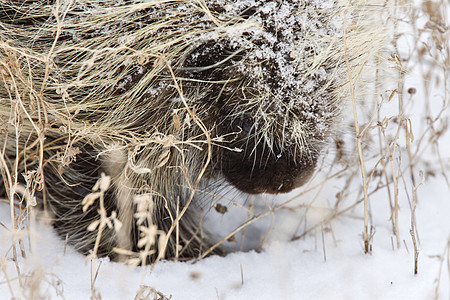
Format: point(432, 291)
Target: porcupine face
point(262, 85)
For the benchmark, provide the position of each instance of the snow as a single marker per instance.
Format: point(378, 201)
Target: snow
point(284, 270)
point(326, 263)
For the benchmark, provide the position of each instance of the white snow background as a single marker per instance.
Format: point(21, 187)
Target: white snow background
point(328, 261)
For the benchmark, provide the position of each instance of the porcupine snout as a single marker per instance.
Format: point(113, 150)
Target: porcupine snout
point(262, 88)
point(257, 169)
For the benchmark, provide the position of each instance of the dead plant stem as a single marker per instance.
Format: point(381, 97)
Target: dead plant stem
point(358, 143)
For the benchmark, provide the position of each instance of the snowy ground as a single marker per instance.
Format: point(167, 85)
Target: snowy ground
point(295, 270)
point(327, 262)
point(303, 269)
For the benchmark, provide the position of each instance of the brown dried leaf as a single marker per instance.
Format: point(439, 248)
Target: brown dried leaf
point(176, 122)
point(163, 158)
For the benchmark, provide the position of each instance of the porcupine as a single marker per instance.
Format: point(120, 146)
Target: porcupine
point(162, 97)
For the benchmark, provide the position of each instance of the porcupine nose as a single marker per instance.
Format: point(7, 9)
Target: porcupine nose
point(256, 169)
point(277, 175)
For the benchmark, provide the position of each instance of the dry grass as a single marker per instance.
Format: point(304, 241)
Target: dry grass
point(376, 153)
